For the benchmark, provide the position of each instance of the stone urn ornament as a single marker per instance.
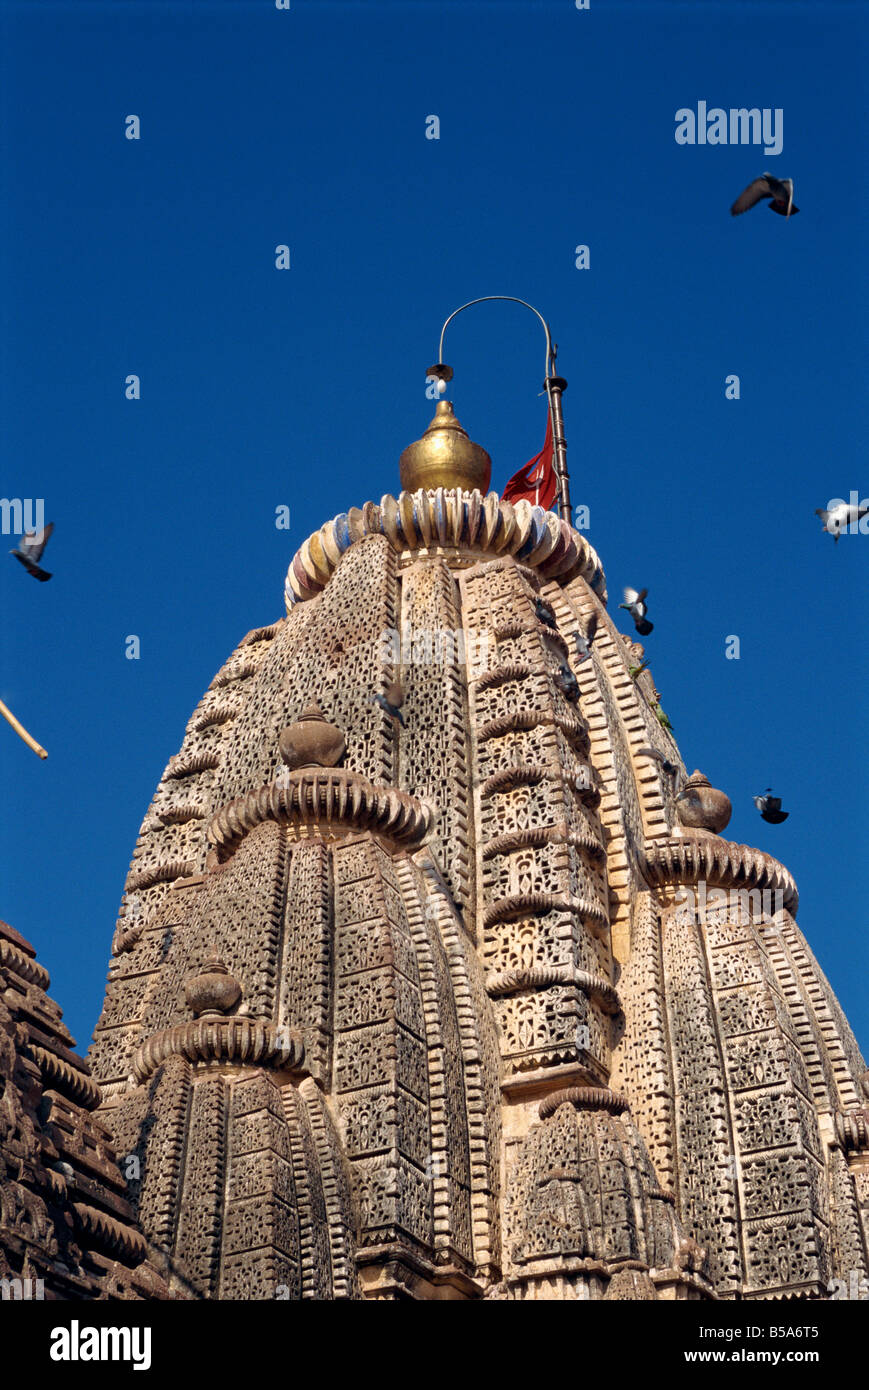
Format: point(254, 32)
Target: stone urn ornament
point(211, 990)
point(700, 806)
point(311, 742)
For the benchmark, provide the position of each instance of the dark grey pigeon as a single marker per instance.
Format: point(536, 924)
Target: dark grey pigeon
point(781, 191)
point(567, 683)
point(585, 639)
point(30, 549)
point(545, 614)
point(670, 768)
point(770, 808)
point(638, 610)
point(391, 701)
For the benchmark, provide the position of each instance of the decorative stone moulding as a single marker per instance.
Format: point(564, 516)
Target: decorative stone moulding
point(12, 957)
point(531, 904)
point(215, 1039)
point(330, 802)
point(463, 527)
point(519, 721)
point(852, 1130)
point(584, 1098)
point(721, 863)
point(507, 982)
point(139, 879)
point(70, 1078)
point(536, 836)
point(110, 1234)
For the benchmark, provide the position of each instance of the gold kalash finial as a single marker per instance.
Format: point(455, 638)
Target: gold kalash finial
point(445, 457)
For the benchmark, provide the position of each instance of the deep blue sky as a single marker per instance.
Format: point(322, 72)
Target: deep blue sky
point(261, 387)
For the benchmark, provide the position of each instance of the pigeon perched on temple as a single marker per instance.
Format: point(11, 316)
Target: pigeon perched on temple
point(30, 549)
point(545, 614)
point(391, 701)
point(584, 640)
point(634, 603)
point(780, 191)
point(567, 683)
point(840, 517)
point(770, 807)
point(670, 768)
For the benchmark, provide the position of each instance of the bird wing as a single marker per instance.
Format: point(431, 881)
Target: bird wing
point(652, 753)
point(591, 628)
point(631, 595)
point(756, 190)
point(33, 543)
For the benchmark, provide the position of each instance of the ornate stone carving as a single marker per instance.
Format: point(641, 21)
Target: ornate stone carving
point(495, 946)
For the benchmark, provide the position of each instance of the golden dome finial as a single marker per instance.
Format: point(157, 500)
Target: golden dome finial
point(445, 457)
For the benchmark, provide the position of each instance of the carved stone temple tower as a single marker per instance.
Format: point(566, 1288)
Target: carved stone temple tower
point(447, 1005)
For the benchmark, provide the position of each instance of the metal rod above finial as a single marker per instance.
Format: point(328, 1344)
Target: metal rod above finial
point(553, 385)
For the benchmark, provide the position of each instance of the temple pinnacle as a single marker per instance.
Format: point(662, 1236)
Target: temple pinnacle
point(445, 457)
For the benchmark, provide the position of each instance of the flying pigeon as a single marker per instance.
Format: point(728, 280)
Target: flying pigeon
point(585, 639)
point(390, 701)
point(637, 609)
point(30, 549)
point(840, 518)
point(545, 614)
point(781, 191)
point(670, 768)
point(770, 808)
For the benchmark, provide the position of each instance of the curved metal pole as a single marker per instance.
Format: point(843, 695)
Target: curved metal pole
point(511, 298)
point(553, 385)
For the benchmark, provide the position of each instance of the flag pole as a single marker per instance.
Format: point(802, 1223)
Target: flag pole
point(554, 386)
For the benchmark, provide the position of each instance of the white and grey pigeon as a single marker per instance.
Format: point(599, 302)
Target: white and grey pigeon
point(584, 640)
point(839, 518)
point(770, 807)
point(29, 551)
point(634, 603)
point(780, 191)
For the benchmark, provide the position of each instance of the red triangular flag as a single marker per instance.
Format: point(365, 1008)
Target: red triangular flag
point(536, 482)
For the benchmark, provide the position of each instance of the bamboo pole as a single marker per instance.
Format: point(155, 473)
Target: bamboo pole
point(22, 732)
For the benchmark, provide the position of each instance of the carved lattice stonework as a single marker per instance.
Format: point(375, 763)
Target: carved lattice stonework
point(470, 1021)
